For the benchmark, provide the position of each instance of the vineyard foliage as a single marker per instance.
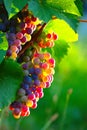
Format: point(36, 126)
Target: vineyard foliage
point(61, 16)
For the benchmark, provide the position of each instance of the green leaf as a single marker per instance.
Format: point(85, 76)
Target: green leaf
point(2, 54)
point(17, 5)
point(79, 4)
point(8, 4)
point(11, 76)
point(3, 45)
point(66, 35)
point(64, 31)
point(60, 50)
point(45, 10)
point(14, 6)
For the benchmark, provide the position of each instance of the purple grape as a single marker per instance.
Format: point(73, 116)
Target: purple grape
point(25, 86)
point(16, 104)
point(23, 25)
point(16, 111)
point(8, 53)
point(10, 42)
point(37, 71)
point(34, 76)
point(31, 70)
point(29, 30)
point(11, 36)
point(27, 79)
point(2, 27)
point(25, 66)
point(37, 82)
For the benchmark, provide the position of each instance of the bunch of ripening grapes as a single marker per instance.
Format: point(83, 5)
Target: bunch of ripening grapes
point(38, 67)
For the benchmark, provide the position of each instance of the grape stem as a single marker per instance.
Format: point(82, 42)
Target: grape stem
point(34, 39)
point(83, 20)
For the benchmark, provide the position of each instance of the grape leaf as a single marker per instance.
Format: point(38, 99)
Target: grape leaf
point(66, 35)
point(60, 50)
point(79, 4)
point(10, 78)
point(3, 45)
point(8, 4)
point(19, 3)
point(14, 6)
point(62, 9)
point(2, 54)
point(64, 31)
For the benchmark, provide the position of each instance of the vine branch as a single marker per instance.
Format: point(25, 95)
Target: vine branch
point(34, 38)
point(83, 20)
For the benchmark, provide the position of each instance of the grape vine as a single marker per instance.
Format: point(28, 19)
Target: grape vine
point(26, 40)
point(28, 44)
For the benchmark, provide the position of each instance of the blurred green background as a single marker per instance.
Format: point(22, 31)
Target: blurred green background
point(64, 106)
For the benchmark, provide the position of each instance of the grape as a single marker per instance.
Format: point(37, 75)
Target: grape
point(25, 86)
point(17, 42)
point(50, 44)
point(44, 65)
point(47, 56)
point(26, 58)
point(34, 19)
point(36, 61)
point(23, 25)
point(23, 40)
point(31, 71)
point(16, 111)
point(25, 66)
point(36, 82)
point(24, 99)
point(37, 71)
point(29, 103)
point(10, 42)
point(55, 36)
point(48, 84)
point(31, 96)
point(24, 110)
point(34, 76)
point(15, 104)
point(29, 31)
point(14, 55)
point(51, 62)
point(34, 105)
point(26, 72)
point(2, 27)
point(19, 35)
point(8, 53)
point(21, 92)
point(27, 79)
point(49, 36)
point(11, 36)
point(13, 48)
point(41, 94)
point(39, 89)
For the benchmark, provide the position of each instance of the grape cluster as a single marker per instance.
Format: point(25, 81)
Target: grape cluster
point(37, 66)
point(20, 35)
point(38, 71)
point(48, 41)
